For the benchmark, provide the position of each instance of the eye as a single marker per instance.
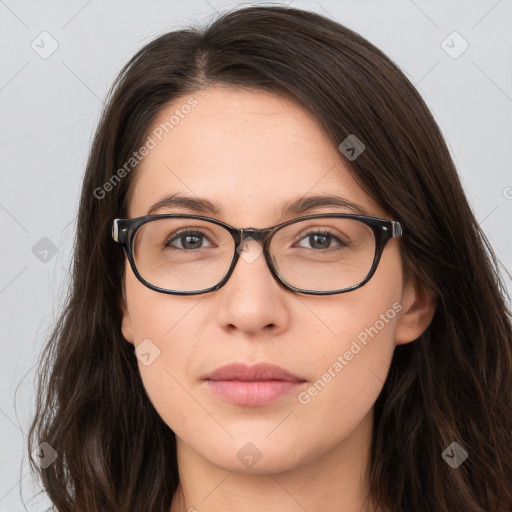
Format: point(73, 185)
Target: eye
point(187, 240)
point(321, 239)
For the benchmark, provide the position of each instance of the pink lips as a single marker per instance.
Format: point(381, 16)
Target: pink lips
point(255, 385)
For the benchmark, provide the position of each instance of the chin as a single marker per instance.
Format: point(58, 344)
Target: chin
point(254, 455)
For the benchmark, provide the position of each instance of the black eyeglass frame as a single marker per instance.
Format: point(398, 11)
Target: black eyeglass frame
point(124, 231)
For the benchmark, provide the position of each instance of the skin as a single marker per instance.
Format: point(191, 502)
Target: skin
point(313, 456)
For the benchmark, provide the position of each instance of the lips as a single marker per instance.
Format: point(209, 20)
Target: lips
point(257, 372)
point(256, 385)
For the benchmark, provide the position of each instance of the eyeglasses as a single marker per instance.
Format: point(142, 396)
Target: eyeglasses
point(317, 254)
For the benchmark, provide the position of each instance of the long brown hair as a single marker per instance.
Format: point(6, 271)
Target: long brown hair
point(453, 384)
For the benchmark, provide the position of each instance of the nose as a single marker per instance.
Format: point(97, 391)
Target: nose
point(252, 300)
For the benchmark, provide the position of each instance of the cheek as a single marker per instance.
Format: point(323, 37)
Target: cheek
point(360, 324)
point(158, 316)
point(351, 365)
point(355, 341)
point(165, 331)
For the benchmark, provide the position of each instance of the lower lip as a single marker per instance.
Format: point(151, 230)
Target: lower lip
point(252, 393)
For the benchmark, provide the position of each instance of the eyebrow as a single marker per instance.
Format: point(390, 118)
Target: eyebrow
point(293, 206)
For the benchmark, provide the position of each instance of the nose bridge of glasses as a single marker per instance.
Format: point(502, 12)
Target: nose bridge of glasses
point(259, 235)
point(249, 252)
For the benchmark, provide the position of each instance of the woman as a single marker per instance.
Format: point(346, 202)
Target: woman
point(281, 299)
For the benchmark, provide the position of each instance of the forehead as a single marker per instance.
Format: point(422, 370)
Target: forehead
point(250, 151)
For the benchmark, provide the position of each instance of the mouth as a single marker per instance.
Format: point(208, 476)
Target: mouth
point(256, 385)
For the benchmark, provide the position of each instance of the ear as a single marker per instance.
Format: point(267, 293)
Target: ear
point(126, 326)
point(418, 308)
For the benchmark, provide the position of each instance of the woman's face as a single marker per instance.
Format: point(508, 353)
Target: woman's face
point(250, 153)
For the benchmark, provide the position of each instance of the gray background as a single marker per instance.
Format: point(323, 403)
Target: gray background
point(50, 106)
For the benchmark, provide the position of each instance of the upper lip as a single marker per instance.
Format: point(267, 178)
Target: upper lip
point(256, 372)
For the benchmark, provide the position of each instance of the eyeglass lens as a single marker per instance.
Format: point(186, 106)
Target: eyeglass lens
point(319, 254)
